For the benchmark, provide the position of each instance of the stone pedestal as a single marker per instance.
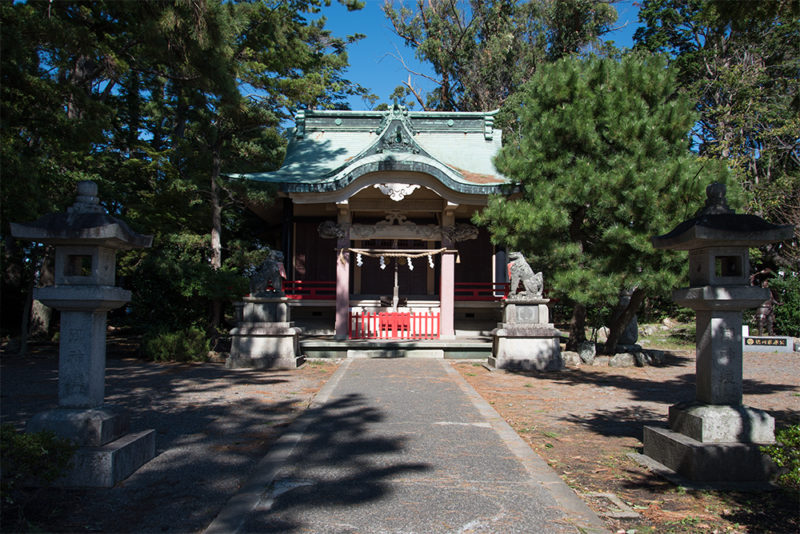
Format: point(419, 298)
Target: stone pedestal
point(525, 340)
point(264, 338)
point(107, 452)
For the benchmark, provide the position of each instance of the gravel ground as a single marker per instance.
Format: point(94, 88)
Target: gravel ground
point(212, 425)
point(584, 422)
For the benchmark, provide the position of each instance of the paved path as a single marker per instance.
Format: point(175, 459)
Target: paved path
point(400, 446)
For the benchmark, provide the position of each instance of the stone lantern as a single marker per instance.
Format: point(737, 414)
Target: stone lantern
point(85, 240)
point(715, 438)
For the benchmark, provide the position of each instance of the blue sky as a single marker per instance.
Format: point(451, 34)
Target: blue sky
point(374, 60)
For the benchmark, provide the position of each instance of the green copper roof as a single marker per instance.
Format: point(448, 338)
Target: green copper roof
point(330, 149)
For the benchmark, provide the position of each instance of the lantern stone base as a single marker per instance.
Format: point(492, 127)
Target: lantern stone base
point(106, 453)
point(713, 443)
point(525, 341)
point(722, 424)
point(707, 462)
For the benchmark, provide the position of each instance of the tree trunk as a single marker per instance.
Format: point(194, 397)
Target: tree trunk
point(216, 239)
point(616, 328)
point(35, 315)
point(577, 327)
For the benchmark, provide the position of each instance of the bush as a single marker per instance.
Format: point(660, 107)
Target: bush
point(787, 314)
point(30, 458)
point(186, 345)
point(786, 455)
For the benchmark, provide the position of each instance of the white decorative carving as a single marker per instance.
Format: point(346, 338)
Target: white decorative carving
point(397, 192)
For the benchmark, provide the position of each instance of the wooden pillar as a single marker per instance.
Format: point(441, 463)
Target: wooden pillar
point(343, 273)
point(448, 277)
point(287, 234)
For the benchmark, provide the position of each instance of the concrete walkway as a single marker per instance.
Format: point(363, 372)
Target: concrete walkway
point(400, 446)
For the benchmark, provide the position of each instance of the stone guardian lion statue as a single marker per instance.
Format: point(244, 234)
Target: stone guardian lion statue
point(267, 280)
point(520, 271)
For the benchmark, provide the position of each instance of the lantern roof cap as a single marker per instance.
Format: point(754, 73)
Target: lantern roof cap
point(718, 225)
point(84, 223)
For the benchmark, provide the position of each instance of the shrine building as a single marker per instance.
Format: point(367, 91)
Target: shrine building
point(375, 224)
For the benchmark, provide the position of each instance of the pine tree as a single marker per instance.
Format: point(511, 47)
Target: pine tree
point(601, 155)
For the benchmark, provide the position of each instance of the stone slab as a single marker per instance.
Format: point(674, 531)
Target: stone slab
point(526, 330)
point(526, 354)
point(266, 329)
point(533, 311)
point(768, 344)
point(722, 424)
point(264, 350)
point(395, 352)
point(93, 427)
point(707, 462)
point(103, 467)
point(82, 297)
point(263, 310)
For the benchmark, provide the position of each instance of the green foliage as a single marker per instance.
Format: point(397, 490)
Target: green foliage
point(30, 458)
point(787, 313)
point(157, 122)
point(601, 155)
point(187, 345)
point(786, 455)
point(739, 63)
point(482, 50)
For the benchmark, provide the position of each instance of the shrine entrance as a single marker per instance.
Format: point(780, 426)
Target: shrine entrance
point(376, 215)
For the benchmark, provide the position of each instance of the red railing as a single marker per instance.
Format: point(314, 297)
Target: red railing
point(309, 290)
point(393, 325)
point(481, 290)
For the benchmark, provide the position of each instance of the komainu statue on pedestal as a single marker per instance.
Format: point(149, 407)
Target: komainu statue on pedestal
point(267, 280)
point(520, 271)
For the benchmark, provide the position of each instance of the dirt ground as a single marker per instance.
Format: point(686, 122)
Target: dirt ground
point(212, 426)
point(582, 421)
point(585, 421)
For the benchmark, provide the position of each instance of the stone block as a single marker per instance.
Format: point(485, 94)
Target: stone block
point(623, 359)
point(650, 357)
point(707, 462)
point(587, 351)
point(528, 311)
point(722, 424)
point(93, 427)
point(396, 352)
point(527, 354)
point(264, 350)
point(263, 310)
point(571, 359)
point(601, 360)
point(103, 467)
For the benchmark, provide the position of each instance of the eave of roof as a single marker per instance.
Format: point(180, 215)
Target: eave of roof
point(330, 149)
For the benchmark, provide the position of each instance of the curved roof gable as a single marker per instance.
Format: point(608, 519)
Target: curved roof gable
point(328, 150)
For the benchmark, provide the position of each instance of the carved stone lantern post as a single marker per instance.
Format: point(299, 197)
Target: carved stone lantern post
point(716, 438)
point(86, 240)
